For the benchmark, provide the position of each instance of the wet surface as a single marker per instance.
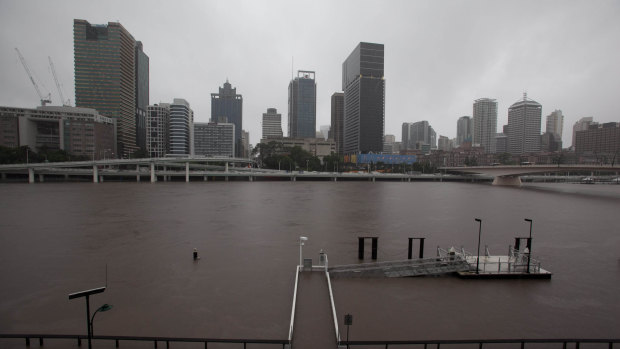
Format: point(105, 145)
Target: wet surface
point(57, 238)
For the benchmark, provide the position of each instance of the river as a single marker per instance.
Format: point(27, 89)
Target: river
point(59, 238)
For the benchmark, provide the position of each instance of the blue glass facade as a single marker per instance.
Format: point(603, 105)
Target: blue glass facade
point(302, 106)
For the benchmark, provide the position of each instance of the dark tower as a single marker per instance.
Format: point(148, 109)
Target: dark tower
point(364, 99)
point(226, 106)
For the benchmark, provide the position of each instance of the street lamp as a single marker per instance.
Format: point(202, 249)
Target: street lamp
point(529, 254)
point(301, 243)
point(307, 161)
point(86, 294)
point(479, 232)
point(102, 308)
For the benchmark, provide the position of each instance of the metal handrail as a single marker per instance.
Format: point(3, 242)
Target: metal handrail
point(154, 339)
point(333, 304)
point(290, 330)
point(480, 342)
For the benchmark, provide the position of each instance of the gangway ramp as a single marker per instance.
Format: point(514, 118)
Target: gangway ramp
point(314, 326)
point(402, 268)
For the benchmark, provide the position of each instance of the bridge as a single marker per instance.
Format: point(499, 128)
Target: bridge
point(189, 168)
point(511, 174)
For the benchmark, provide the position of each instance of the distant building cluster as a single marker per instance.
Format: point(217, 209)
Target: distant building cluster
point(114, 118)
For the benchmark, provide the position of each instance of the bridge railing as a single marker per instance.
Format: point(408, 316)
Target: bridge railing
point(117, 339)
point(292, 324)
point(331, 299)
point(480, 343)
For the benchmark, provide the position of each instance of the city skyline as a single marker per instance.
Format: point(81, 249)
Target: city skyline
point(435, 68)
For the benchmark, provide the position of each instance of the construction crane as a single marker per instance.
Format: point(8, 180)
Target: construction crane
point(44, 99)
point(62, 97)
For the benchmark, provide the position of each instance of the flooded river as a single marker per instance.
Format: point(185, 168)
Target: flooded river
point(59, 238)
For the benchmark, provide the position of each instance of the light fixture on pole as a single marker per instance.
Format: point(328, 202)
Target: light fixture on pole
point(301, 243)
point(479, 233)
point(86, 294)
point(529, 242)
point(102, 308)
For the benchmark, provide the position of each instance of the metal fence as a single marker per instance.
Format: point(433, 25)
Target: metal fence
point(485, 343)
point(41, 338)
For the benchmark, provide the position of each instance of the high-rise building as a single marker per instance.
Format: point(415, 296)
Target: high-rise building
point(485, 123)
point(501, 143)
point(158, 130)
point(336, 131)
point(245, 143)
point(105, 76)
point(463, 130)
point(78, 131)
point(549, 142)
point(555, 124)
point(272, 124)
point(181, 128)
point(581, 125)
point(417, 134)
point(600, 140)
point(227, 106)
point(325, 131)
point(214, 139)
point(364, 99)
point(302, 105)
point(524, 119)
point(142, 94)
point(444, 143)
point(389, 145)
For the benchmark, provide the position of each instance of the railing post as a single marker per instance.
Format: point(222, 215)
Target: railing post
point(41, 341)
point(155, 343)
point(167, 344)
point(27, 341)
point(116, 343)
point(79, 342)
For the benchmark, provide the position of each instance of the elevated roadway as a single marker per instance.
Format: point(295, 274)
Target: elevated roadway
point(511, 174)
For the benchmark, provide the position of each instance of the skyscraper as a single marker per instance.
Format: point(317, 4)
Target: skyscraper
point(181, 128)
point(555, 124)
point(485, 123)
point(214, 139)
point(105, 76)
point(272, 124)
point(364, 99)
point(417, 134)
point(158, 130)
point(302, 105)
point(336, 131)
point(581, 125)
point(524, 124)
point(142, 94)
point(227, 106)
point(463, 130)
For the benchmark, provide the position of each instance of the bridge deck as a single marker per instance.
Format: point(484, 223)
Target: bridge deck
point(314, 326)
point(403, 268)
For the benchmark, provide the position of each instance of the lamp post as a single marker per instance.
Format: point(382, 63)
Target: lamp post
point(301, 243)
point(86, 294)
point(307, 161)
point(479, 233)
point(529, 254)
point(102, 308)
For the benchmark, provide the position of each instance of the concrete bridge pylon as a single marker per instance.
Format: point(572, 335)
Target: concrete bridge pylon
point(513, 181)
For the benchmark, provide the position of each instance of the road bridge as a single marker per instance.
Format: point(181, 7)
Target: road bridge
point(511, 174)
point(195, 168)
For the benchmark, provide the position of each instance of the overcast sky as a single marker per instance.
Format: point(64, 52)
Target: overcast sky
point(439, 55)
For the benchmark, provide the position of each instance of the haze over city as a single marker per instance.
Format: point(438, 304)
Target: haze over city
point(439, 56)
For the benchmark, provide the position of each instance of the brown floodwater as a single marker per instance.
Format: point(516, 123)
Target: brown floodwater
point(59, 238)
